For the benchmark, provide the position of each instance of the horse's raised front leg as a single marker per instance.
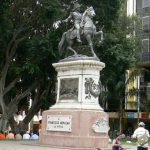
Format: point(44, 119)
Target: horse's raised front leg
point(100, 33)
point(89, 40)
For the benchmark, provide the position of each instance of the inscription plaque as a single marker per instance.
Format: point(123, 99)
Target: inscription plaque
point(59, 123)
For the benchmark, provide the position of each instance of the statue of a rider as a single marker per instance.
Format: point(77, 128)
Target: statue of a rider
point(83, 25)
point(76, 16)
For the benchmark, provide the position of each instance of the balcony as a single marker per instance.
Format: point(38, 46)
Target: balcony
point(144, 59)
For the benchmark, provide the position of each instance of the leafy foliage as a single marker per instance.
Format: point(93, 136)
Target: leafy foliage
point(28, 47)
point(118, 52)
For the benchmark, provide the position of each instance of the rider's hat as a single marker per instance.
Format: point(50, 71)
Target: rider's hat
point(76, 5)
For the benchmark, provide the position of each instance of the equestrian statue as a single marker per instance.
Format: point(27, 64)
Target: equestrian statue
point(83, 28)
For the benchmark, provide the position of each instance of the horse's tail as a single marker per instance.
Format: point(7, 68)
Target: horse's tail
point(61, 45)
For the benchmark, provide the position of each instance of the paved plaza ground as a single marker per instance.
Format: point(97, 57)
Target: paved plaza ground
point(34, 145)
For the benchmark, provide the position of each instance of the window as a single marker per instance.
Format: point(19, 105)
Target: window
point(145, 45)
point(148, 91)
point(139, 4)
point(145, 23)
point(142, 78)
point(145, 3)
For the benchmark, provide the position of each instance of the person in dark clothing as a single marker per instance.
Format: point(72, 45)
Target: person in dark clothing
point(116, 144)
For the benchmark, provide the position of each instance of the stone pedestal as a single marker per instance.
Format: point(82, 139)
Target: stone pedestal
point(76, 120)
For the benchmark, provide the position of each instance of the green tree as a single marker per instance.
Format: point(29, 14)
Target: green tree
point(28, 44)
point(27, 51)
point(118, 51)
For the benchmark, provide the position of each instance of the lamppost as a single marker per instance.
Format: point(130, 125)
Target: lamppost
point(30, 104)
point(138, 98)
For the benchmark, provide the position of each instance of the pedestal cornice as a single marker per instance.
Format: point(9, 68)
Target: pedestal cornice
point(79, 64)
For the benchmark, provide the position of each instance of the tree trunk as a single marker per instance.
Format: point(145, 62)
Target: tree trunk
point(4, 116)
point(23, 126)
point(13, 125)
point(3, 123)
point(17, 128)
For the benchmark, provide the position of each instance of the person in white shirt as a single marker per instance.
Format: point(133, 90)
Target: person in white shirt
point(34, 136)
point(140, 131)
point(26, 136)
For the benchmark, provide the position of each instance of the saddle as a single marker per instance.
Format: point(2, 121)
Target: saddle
point(73, 33)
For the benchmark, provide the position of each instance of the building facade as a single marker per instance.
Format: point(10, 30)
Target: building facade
point(139, 105)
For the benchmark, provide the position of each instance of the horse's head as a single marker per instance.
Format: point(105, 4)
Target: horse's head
point(90, 11)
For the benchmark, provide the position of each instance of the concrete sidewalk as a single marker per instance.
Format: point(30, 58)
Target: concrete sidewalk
point(24, 145)
point(31, 145)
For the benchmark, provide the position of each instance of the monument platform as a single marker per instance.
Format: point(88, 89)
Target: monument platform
point(76, 120)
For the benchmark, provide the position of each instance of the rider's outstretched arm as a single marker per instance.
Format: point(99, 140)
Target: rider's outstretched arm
point(68, 19)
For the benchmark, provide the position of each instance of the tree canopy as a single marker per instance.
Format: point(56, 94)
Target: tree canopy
point(118, 51)
point(27, 51)
point(28, 47)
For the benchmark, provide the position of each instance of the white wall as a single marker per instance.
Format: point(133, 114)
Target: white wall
point(131, 7)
